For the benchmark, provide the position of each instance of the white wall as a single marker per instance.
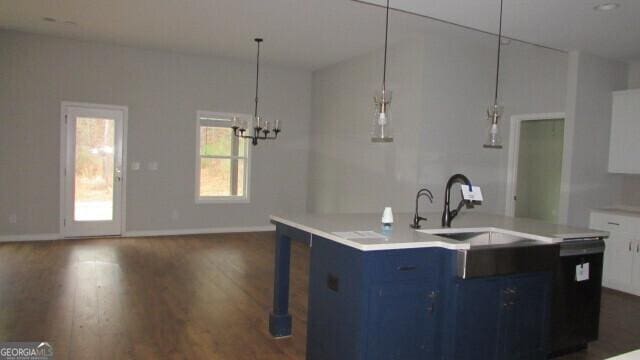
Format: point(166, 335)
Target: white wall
point(590, 83)
point(442, 83)
point(163, 90)
point(634, 75)
point(631, 183)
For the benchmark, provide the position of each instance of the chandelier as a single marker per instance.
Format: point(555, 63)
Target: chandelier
point(262, 130)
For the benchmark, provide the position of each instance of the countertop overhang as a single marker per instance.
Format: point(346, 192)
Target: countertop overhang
point(401, 236)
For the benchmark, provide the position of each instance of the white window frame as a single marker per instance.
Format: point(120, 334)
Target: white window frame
point(210, 118)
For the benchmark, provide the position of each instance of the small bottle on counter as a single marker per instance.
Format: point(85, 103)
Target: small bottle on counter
point(387, 219)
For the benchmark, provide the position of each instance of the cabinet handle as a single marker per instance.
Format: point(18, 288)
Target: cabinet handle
point(630, 246)
point(407, 268)
point(613, 223)
point(432, 305)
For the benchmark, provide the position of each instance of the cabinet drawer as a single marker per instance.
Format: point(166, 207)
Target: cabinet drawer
point(615, 223)
point(410, 264)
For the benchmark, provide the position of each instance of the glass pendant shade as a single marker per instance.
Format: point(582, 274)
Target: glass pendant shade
point(381, 130)
point(494, 138)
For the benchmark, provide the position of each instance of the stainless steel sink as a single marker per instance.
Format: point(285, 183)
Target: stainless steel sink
point(495, 252)
point(487, 238)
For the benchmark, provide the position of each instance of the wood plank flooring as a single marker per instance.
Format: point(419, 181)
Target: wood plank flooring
point(183, 297)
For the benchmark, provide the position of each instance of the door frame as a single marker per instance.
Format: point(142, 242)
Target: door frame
point(514, 152)
point(63, 161)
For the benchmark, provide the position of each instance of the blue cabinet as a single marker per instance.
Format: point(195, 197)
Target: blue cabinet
point(404, 321)
point(409, 304)
point(502, 317)
point(373, 305)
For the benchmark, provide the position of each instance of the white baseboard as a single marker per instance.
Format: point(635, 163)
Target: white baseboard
point(220, 230)
point(44, 237)
point(29, 237)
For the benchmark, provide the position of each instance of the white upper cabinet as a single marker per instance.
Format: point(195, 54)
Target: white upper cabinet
point(625, 132)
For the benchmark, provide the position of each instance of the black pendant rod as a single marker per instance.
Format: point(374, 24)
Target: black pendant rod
point(258, 41)
point(495, 98)
point(386, 36)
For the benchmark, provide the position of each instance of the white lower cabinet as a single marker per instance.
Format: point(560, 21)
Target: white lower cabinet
point(622, 253)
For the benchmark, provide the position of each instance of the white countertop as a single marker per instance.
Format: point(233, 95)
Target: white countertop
point(620, 210)
point(634, 355)
point(404, 237)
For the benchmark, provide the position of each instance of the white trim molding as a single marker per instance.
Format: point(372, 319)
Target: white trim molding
point(221, 230)
point(142, 233)
point(514, 148)
point(29, 237)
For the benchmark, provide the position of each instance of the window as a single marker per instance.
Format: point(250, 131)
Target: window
point(222, 169)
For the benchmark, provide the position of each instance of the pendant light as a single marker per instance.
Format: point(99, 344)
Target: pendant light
point(494, 112)
point(381, 131)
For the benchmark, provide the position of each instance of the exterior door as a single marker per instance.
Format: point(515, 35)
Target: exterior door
point(92, 170)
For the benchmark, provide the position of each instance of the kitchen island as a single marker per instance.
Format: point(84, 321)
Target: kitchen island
point(400, 293)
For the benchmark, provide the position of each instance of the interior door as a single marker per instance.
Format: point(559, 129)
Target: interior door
point(92, 170)
point(539, 169)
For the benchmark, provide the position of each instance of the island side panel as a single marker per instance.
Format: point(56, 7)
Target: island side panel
point(279, 318)
point(337, 302)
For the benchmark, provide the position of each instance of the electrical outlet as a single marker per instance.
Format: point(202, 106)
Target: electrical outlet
point(13, 218)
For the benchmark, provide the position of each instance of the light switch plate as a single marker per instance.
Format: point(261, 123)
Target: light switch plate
point(135, 166)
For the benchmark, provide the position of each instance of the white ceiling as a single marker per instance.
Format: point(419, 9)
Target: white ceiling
point(560, 24)
point(311, 34)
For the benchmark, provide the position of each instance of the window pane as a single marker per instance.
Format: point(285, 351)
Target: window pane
point(242, 151)
point(94, 159)
point(240, 181)
point(215, 177)
point(215, 141)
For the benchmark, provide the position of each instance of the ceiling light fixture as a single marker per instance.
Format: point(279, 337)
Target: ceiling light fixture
point(606, 7)
point(381, 132)
point(494, 113)
point(261, 130)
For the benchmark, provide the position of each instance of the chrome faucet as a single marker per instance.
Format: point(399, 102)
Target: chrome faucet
point(416, 217)
point(448, 215)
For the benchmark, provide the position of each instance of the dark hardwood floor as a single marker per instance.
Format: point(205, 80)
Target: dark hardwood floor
point(183, 297)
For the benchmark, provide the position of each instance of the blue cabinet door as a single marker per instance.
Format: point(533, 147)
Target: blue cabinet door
point(403, 321)
point(477, 319)
point(527, 317)
point(502, 318)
